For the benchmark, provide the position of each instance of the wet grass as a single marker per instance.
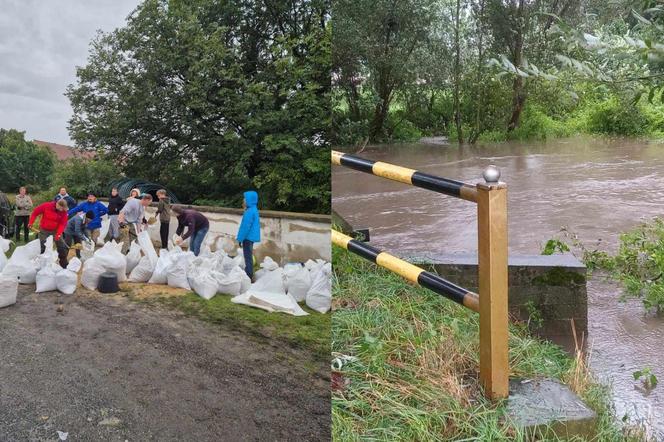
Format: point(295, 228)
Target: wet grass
point(416, 373)
point(310, 333)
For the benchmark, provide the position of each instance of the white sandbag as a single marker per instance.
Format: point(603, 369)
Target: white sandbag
point(21, 265)
point(4, 247)
point(271, 302)
point(177, 272)
point(143, 270)
point(269, 264)
point(160, 273)
point(92, 270)
point(45, 278)
point(134, 256)
point(87, 250)
point(231, 283)
point(224, 243)
point(319, 296)
point(103, 231)
point(111, 258)
point(245, 282)
point(148, 248)
point(239, 259)
point(271, 282)
point(8, 291)
point(202, 282)
point(298, 281)
point(67, 279)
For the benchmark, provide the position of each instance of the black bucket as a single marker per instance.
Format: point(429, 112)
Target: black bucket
point(108, 283)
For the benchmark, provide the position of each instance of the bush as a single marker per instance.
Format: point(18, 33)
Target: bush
point(401, 129)
point(615, 117)
point(535, 124)
point(80, 176)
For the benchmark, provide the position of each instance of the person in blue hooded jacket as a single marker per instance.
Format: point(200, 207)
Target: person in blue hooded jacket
point(91, 204)
point(250, 230)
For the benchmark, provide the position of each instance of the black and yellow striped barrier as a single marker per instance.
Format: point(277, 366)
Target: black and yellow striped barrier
point(491, 303)
point(407, 176)
point(409, 271)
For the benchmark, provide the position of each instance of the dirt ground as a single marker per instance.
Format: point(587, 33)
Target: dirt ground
point(109, 369)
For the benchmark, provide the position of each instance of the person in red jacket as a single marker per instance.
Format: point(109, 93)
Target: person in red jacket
point(53, 222)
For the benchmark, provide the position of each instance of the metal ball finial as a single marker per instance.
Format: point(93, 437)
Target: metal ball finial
point(491, 174)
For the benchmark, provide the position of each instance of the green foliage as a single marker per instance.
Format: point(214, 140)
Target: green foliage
point(23, 163)
point(647, 377)
point(639, 263)
point(80, 176)
point(555, 245)
point(212, 98)
point(613, 117)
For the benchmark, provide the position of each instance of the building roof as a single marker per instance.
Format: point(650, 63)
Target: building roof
point(64, 152)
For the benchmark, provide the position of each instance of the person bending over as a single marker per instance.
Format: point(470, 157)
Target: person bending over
point(53, 222)
point(91, 204)
point(197, 227)
point(76, 227)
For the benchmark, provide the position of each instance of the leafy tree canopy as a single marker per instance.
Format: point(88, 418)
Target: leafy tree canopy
point(23, 163)
point(214, 97)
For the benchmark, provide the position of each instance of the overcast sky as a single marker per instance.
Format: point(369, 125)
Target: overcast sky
point(41, 43)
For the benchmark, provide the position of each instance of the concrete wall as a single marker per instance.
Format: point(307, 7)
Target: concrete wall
point(285, 236)
point(551, 287)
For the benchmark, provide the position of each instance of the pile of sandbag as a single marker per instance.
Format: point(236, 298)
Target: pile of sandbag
point(23, 265)
point(281, 289)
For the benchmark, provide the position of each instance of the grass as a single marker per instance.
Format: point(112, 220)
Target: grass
point(416, 376)
point(310, 333)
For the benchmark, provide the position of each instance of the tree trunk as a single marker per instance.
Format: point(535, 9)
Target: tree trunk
point(518, 93)
point(457, 74)
point(480, 71)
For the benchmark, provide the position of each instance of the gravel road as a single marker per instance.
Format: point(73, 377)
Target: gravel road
point(108, 369)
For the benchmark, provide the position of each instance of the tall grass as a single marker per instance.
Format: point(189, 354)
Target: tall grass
point(416, 373)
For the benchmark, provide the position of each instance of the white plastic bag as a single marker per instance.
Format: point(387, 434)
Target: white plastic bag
point(230, 284)
point(134, 256)
point(298, 281)
point(177, 271)
point(143, 270)
point(92, 270)
point(87, 250)
point(271, 302)
point(111, 258)
point(4, 247)
point(202, 282)
point(45, 278)
point(224, 243)
point(160, 273)
point(148, 248)
point(272, 282)
point(319, 296)
point(103, 231)
point(21, 265)
point(8, 291)
point(67, 279)
point(239, 259)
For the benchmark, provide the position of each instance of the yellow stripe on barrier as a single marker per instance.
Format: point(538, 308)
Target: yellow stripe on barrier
point(399, 266)
point(336, 157)
point(339, 239)
point(392, 172)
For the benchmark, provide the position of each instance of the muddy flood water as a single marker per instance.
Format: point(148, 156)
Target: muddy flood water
point(595, 188)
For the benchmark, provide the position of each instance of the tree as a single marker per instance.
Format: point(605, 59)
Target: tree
point(211, 98)
point(80, 176)
point(23, 163)
point(382, 36)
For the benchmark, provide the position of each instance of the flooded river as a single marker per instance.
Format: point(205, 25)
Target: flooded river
point(595, 188)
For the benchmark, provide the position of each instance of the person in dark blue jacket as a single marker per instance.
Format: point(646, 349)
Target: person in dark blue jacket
point(250, 230)
point(63, 195)
point(91, 228)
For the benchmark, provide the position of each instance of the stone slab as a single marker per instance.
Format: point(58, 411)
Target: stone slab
point(545, 407)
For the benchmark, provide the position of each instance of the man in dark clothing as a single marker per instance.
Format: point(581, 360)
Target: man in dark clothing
point(75, 230)
point(115, 204)
point(197, 227)
point(164, 212)
point(63, 195)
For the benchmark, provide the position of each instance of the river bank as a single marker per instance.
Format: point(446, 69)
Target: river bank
point(596, 187)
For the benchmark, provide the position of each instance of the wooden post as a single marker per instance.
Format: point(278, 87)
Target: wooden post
point(492, 238)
